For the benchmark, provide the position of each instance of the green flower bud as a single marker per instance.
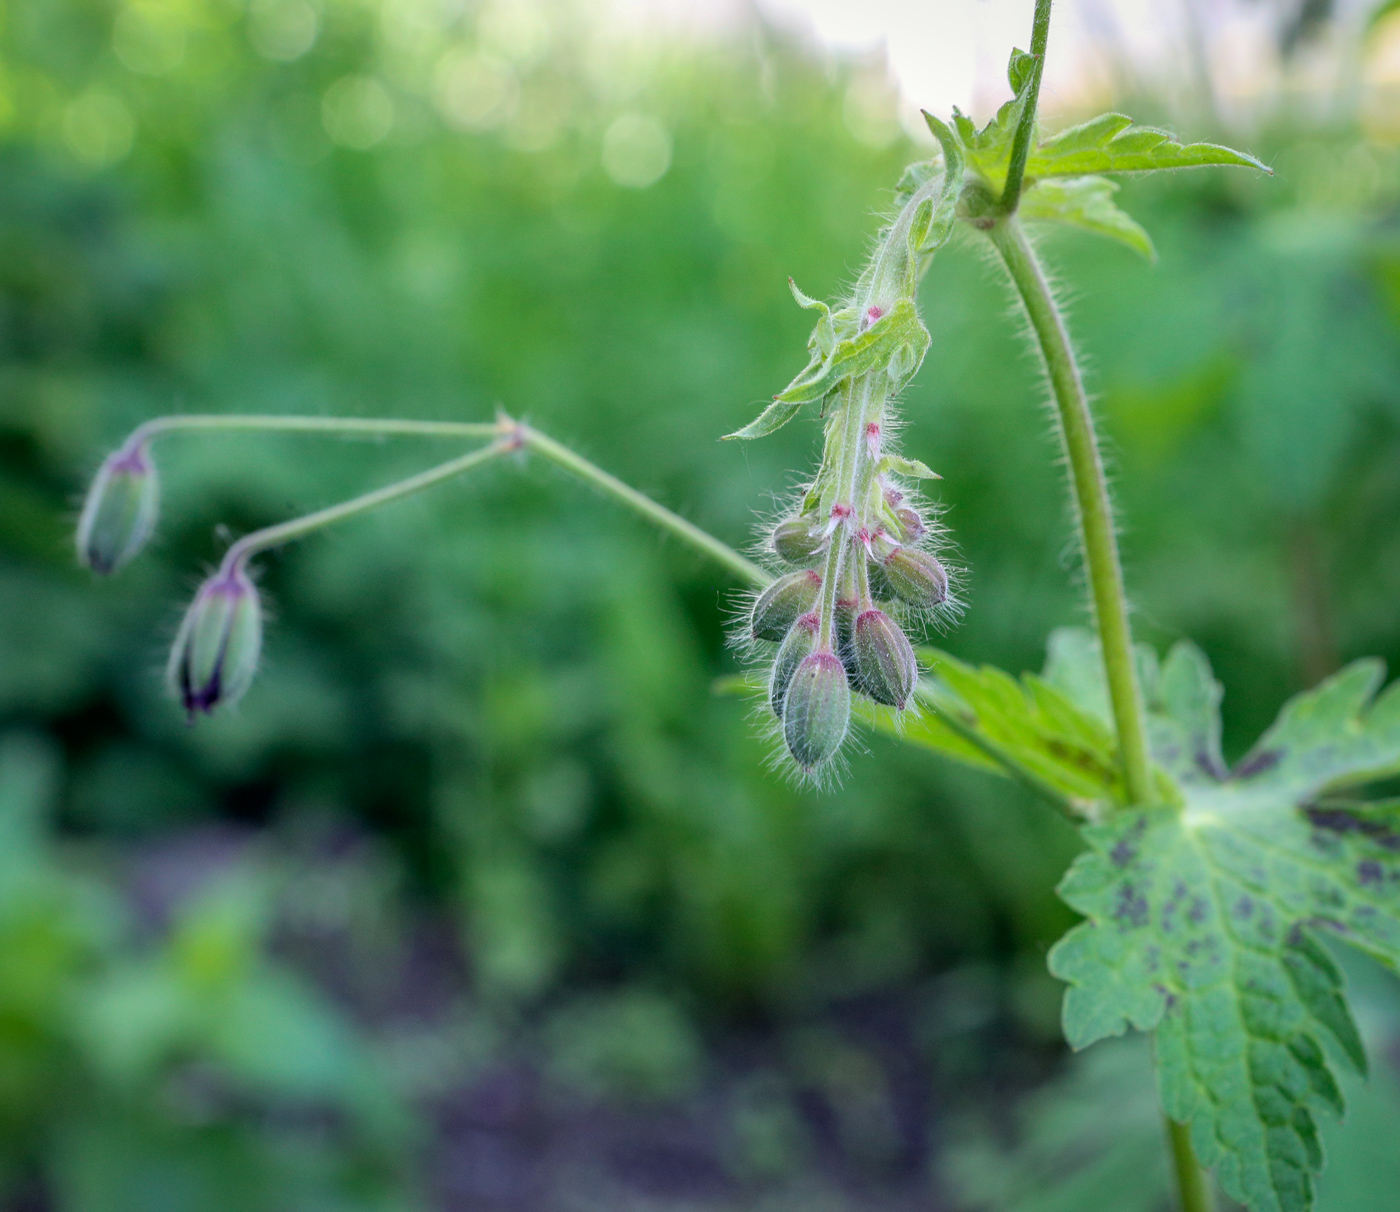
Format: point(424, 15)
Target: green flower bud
point(797, 645)
point(884, 659)
point(120, 511)
point(216, 650)
point(915, 577)
point(909, 524)
point(816, 710)
point(797, 540)
point(779, 606)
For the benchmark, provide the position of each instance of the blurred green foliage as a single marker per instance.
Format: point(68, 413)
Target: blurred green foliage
point(404, 208)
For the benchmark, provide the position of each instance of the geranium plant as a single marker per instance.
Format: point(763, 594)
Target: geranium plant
point(1205, 889)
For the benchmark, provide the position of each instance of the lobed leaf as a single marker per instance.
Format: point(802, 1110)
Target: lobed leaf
point(1111, 143)
point(1202, 920)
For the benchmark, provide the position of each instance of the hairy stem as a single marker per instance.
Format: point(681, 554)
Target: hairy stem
point(1091, 498)
point(1105, 574)
point(1025, 128)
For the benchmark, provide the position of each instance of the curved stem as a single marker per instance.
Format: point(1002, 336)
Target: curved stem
point(1091, 499)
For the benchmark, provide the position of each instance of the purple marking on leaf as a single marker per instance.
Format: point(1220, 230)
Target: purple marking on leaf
point(1131, 907)
point(1344, 821)
point(1257, 763)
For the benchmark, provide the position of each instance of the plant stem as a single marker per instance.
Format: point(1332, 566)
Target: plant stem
point(1192, 1187)
point(345, 426)
point(1105, 571)
point(1091, 498)
point(274, 536)
point(1025, 128)
point(510, 435)
point(722, 553)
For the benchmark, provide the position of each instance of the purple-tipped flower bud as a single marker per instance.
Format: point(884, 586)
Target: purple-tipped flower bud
point(797, 645)
point(884, 659)
point(120, 511)
point(779, 606)
point(916, 577)
point(909, 524)
point(816, 710)
point(216, 651)
point(797, 540)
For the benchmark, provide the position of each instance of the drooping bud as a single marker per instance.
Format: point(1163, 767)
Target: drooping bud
point(779, 606)
point(797, 540)
point(816, 710)
point(797, 645)
point(916, 577)
point(884, 659)
point(216, 650)
point(910, 524)
point(120, 511)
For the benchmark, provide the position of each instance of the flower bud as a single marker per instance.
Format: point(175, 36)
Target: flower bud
point(216, 651)
point(909, 524)
point(120, 511)
point(797, 540)
point(779, 606)
point(816, 710)
point(884, 659)
point(916, 577)
point(797, 645)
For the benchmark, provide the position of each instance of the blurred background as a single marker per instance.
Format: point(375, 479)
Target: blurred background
point(482, 900)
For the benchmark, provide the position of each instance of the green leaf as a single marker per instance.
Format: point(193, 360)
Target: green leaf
point(1087, 203)
point(864, 352)
point(1111, 143)
point(987, 718)
point(772, 418)
point(1201, 921)
point(912, 468)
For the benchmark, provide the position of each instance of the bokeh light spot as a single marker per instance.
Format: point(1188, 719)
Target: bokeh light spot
point(282, 30)
point(98, 128)
point(636, 151)
point(357, 112)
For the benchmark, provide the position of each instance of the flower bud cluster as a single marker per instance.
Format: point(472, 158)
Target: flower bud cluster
point(858, 573)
